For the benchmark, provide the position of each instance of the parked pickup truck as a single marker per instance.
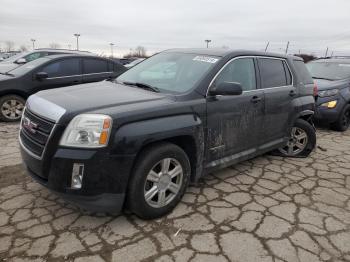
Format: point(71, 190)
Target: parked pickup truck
point(139, 141)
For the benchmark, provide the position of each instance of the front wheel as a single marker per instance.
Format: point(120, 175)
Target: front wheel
point(302, 140)
point(343, 122)
point(11, 108)
point(159, 181)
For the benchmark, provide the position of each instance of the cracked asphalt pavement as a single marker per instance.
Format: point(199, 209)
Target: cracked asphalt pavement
point(266, 209)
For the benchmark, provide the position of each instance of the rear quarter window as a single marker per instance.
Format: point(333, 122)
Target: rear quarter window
point(303, 72)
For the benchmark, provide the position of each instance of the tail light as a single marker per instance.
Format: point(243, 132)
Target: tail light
point(315, 90)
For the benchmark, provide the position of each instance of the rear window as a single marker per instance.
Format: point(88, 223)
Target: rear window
point(303, 73)
point(274, 72)
point(92, 66)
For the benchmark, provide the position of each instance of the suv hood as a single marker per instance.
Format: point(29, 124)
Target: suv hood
point(323, 84)
point(92, 97)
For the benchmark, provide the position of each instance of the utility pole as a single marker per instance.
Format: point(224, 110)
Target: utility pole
point(77, 36)
point(207, 41)
point(33, 41)
point(267, 46)
point(326, 52)
point(111, 44)
point(287, 47)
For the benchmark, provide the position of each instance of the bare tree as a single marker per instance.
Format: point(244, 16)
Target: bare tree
point(9, 46)
point(55, 45)
point(140, 51)
point(23, 48)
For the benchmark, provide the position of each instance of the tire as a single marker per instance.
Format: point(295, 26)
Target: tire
point(302, 140)
point(11, 108)
point(343, 122)
point(143, 184)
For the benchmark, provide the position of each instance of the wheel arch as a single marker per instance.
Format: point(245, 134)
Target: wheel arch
point(134, 138)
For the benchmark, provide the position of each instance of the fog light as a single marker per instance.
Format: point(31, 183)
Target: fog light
point(77, 176)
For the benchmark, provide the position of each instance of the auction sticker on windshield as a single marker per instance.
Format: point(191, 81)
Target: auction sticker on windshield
point(207, 59)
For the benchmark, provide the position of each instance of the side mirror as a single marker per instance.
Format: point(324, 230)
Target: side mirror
point(21, 61)
point(227, 89)
point(41, 75)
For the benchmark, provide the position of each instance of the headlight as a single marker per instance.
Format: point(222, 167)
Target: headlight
point(330, 104)
point(87, 130)
point(330, 92)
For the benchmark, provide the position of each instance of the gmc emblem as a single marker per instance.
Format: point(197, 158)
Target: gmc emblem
point(29, 125)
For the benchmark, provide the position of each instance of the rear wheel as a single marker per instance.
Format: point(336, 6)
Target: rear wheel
point(343, 122)
point(11, 108)
point(302, 140)
point(159, 180)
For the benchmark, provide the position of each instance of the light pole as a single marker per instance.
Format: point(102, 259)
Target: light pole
point(77, 36)
point(207, 41)
point(111, 44)
point(287, 47)
point(33, 41)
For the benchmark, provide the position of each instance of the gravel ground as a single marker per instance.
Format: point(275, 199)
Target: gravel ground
point(266, 209)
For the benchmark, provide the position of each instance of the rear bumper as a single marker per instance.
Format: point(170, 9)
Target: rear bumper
point(104, 181)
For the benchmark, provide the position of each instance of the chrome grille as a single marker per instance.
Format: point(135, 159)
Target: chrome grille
point(35, 132)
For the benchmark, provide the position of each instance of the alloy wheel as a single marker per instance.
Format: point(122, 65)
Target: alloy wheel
point(163, 182)
point(12, 109)
point(297, 142)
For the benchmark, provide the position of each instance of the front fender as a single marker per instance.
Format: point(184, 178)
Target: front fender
point(131, 138)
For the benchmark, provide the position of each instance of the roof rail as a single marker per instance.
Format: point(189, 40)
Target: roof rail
point(63, 49)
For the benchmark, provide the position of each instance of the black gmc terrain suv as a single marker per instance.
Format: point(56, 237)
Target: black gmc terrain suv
point(139, 141)
point(332, 76)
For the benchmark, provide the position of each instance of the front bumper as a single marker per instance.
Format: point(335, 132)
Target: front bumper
point(328, 115)
point(104, 181)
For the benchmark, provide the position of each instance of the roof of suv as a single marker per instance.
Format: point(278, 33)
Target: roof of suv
point(224, 52)
point(333, 60)
point(62, 50)
point(72, 55)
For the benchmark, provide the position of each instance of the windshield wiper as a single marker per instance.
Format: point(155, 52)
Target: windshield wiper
point(323, 78)
point(7, 74)
point(143, 86)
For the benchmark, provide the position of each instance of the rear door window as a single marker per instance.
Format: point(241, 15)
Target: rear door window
point(64, 67)
point(303, 72)
point(93, 66)
point(274, 73)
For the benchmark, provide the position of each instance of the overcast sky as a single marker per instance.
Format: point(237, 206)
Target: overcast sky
point(309, 25)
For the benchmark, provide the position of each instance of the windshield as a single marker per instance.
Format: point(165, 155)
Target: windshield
point(170, 72)
point(13, 58)
point(329, 70)
point(21, 70)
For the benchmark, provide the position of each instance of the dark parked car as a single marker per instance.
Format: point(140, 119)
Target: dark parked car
point(165, 123)
point(50, 72)
point(134, 63)
point(25, 57)
point(332, 76)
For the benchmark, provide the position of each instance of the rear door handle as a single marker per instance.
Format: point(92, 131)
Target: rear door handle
point(255, 99)
point(75, 82)
point(292, 93)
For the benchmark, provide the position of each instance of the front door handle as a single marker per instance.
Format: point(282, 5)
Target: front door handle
point(292, 93)
point(255, 99)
